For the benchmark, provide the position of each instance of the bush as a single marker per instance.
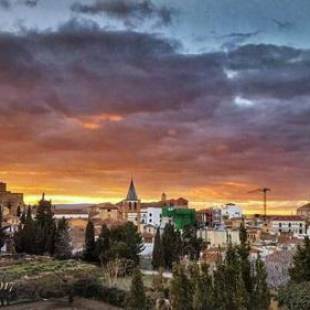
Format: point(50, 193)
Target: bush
point(295, 296)
point(90, 287)
point(113, 296)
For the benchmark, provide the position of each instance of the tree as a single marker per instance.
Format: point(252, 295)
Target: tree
point(90, 245)
point(126, 242)
point(3, 235)
point(103, 245)
point(171, 244)
point(180, 289)
point(295, 296)
point(261, 294)
point(203, 296)
point(300, 271)
point(137, 299)
point(157, 256)
point(18, 211)
point(245, 264)
point(51, 240)
point(191, 245)
point(63, 248)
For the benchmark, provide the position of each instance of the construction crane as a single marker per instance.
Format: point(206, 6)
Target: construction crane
point(263, 190)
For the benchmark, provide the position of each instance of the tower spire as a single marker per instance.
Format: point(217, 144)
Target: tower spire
point(132, 193)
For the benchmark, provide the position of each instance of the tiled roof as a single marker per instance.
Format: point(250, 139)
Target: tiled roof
point(285, 218)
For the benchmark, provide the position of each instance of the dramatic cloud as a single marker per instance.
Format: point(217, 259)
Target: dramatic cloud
point(83, 108)
point(129, 11)
point(5, 4)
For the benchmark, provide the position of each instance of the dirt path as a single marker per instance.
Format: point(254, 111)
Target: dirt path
point(78, 304)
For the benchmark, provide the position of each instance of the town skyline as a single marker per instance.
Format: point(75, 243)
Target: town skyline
point(208, 101)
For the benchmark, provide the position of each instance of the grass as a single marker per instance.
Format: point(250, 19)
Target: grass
point(28, 269)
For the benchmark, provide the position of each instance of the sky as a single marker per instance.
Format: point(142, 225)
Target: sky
point(202, 99)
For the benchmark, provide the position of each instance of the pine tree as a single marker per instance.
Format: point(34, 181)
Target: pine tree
point(90, 244)
point(63, 248)
point(137, 299)
point(157, 256)
point(180, 289)
point(103, 245)
point(261, 291)
point(300, 272)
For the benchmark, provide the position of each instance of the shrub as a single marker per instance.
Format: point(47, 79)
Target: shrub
point(88, 287)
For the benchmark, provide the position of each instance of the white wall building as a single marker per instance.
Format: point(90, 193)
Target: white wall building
point(220, 237)
point(231, 210)
point(151, 215)
point(287, 224)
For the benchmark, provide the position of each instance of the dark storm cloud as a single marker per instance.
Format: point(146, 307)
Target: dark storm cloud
point(283, 25)
point(31, 3)
point(235, 39)
point(125, 100)
point(5, 4)
point(127, 10)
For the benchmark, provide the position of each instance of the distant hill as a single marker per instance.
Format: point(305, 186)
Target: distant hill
point(73, 205)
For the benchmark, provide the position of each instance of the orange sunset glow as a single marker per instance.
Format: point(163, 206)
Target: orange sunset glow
point(86, 103)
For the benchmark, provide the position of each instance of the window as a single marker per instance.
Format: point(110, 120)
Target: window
point(280, 224)
point(109, 210)
point(289, 224)
point(150, 214)
point(150, 220)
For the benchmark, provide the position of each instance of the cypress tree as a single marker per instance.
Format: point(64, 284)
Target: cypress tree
point(157, 256)
point(18, 211)
point(203, 296)
point(180, 289)
point(245, 264)
point(103, 245)
point(137, 299)
point(2, 233)
point(90, 245)
point(261, 291)
point(63, 249)
point(52, 239)
point(300, 272)
point(171, 245)
point(23, 217)
point(28, 234)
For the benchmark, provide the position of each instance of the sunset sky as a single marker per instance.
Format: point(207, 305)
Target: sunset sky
point(201, 99)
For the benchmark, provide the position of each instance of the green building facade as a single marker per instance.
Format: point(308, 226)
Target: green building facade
point(179, 217)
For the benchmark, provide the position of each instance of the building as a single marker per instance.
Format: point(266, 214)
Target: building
point(70, 214)
point(130, 208)
point(10, 201)
point(151, 214)
point(287, 224)
point(304, 211)
point(219, 237)
point(178, 217)
point(104, 211)
point(231, 210)
point(211, 217)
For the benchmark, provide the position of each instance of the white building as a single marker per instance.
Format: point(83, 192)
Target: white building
point(288, 224)
point(220, 237)
point(231, 210)
point(151, 215)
